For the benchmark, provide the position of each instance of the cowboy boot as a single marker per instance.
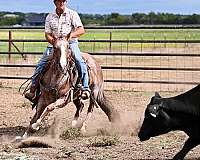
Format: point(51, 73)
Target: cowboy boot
point(32, 95)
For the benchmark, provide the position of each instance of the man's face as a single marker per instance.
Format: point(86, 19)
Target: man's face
point(60, 4)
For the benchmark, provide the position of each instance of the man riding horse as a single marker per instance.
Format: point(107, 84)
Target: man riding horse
point(62, 23)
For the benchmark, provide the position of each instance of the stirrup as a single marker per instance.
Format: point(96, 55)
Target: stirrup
point(85, 94)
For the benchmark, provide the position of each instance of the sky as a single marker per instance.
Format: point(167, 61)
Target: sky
point(105, 6)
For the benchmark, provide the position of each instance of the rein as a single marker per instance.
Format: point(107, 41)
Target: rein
point(67, 75)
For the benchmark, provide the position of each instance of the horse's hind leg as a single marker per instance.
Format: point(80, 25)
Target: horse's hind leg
point(79, 107)
point(89, 114)
point(106, 106)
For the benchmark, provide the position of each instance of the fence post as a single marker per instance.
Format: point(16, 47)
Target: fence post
point(141, 47)
point(110, 42)
point(9, 46)
point(94, 45)
point(165, 37)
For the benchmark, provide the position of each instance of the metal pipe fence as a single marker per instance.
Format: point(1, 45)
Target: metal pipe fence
point(132, 64)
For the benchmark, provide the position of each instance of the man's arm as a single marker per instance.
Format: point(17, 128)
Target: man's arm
point(50, 38)
point(78, 32)
point(77, 25)
point(48, 31)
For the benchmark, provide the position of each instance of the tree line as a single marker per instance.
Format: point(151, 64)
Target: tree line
point(152, 18)
point(11, 18)
point(140, 18)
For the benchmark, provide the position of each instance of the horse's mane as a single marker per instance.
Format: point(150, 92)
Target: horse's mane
point(188, 102)
point(50, 57)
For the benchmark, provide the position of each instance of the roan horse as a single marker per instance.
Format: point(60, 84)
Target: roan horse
point(58, 87)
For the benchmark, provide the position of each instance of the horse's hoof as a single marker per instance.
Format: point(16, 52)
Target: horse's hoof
point(74, 123)
point(83, 130)
point(35, 126)
point(18, 138)
point(25, 135)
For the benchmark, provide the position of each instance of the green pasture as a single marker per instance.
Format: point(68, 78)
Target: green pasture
point(105, 34)
point(117, 34)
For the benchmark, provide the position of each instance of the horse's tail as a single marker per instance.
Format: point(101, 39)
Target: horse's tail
point(106, 106)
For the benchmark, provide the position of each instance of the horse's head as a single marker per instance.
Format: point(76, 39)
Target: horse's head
point(61, 49)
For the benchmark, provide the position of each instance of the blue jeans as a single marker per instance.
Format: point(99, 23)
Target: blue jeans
point(80, 63)
point(41, 64)
point(81, 66)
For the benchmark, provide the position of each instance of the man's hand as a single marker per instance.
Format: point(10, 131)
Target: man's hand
point(50, 38)
point(54, 38)
point(76, 34)
point(71, 35)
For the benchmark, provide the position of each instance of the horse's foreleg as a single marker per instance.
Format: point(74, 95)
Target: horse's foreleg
point(79, 107)
point(61, 102)
point(39, 110)
point(89, 114)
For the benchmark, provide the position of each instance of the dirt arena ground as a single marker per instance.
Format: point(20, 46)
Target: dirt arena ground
point(101, 142)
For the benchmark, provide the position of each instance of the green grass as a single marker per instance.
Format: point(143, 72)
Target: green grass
point(103, 141)
point(124, 34)
point(103, 34)
point(145, 34)
point(71, 133)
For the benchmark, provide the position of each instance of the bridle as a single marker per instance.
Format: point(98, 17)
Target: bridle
point(67, 74)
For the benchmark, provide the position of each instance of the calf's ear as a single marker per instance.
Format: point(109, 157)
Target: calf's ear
point(153, 115)
point(157, 95)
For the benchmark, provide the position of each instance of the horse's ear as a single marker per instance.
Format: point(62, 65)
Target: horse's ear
point(68, 36)
point(157, 95)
